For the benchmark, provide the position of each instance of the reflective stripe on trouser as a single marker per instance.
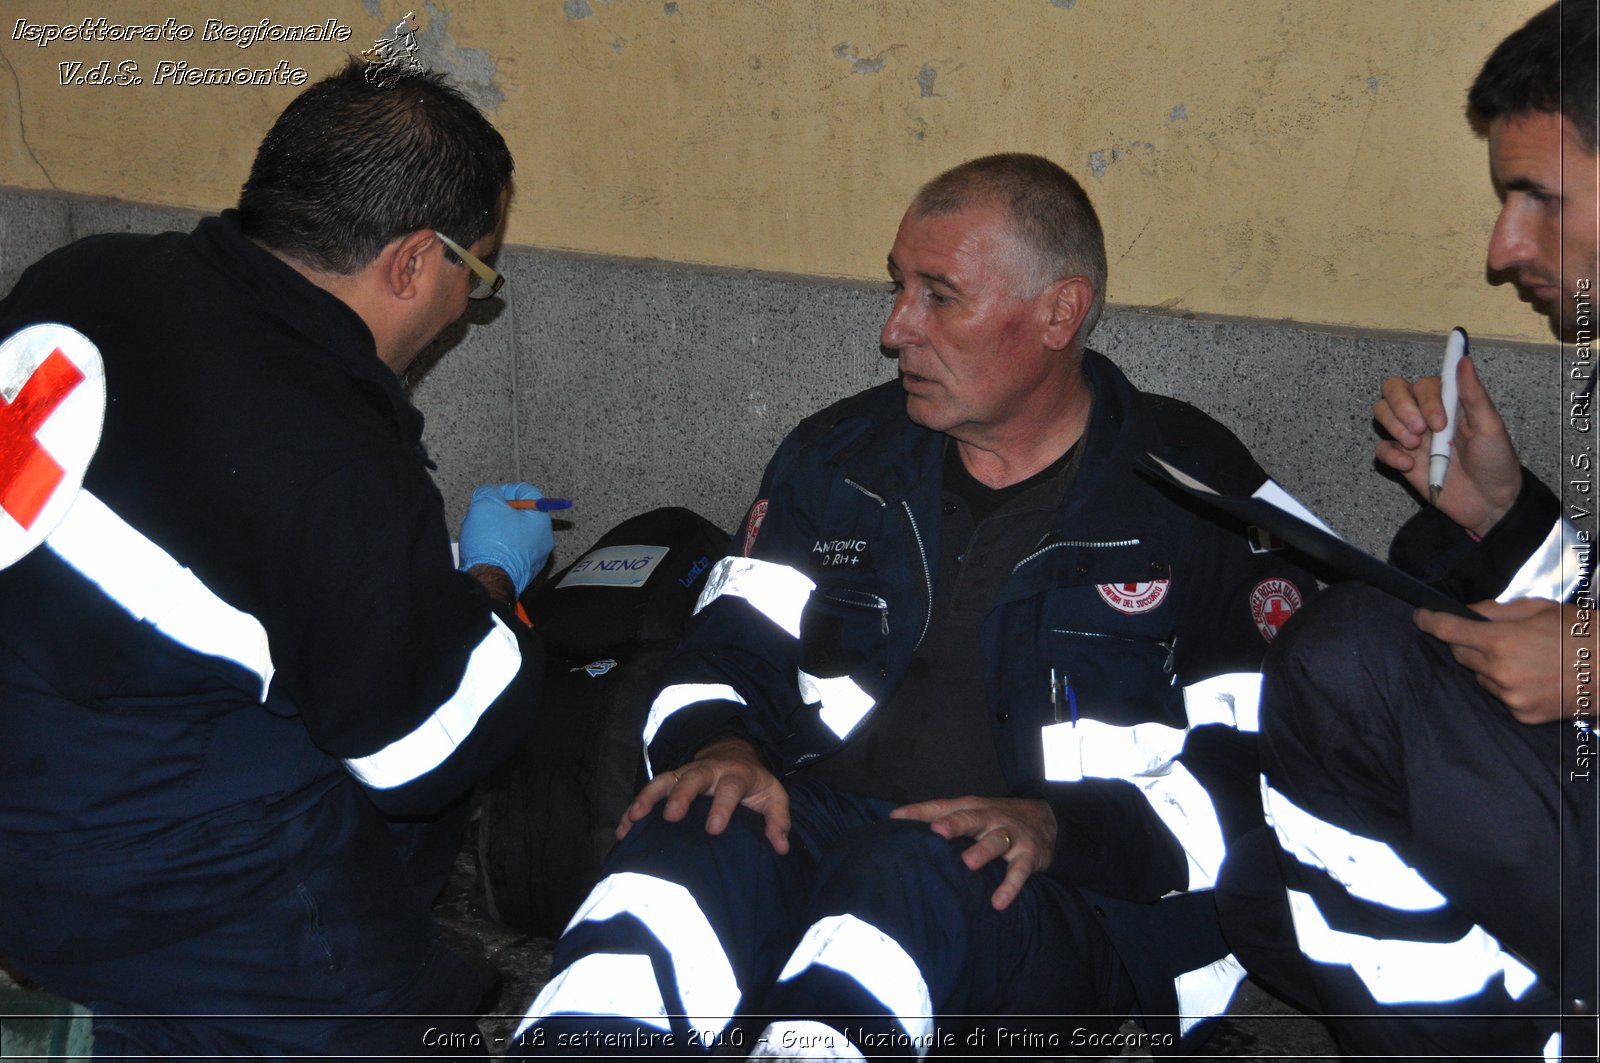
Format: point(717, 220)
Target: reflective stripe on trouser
point(868, 918)
point(1424, 838)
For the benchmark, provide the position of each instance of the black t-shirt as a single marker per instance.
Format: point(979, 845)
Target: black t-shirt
point(934, 735)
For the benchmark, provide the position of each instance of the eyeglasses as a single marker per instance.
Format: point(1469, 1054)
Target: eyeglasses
point(486, 280)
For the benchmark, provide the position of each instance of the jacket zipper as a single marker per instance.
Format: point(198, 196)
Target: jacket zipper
point(1109, 544)
point(922, 556)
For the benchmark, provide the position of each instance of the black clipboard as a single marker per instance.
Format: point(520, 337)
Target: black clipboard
point(1315, 541)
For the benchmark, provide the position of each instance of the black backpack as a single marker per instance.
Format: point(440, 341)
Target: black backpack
point(609, 621)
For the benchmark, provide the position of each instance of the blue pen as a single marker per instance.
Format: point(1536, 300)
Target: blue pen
point(543, 505)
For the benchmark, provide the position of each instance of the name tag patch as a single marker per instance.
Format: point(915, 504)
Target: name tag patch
point(614, 566)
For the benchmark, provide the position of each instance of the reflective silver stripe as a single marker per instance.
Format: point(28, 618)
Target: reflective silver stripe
point(1184, 806)
point(804, 1039)
point(1552, 1049)
point(682, 695)
point(1554, 570)
point(856, 948)
point(1144, 755)
point(1367, 868)
point(1207, 991)
point(1232, 699)
point(602, 984)
point(153, 587)
point(1091, 749)
point(490, 669)
point(844, 704)
point(705, 979)
point(1409, 972)
point(778, 592)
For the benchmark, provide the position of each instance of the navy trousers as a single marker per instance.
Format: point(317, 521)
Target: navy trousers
point(869, 926)
point(1441, 872)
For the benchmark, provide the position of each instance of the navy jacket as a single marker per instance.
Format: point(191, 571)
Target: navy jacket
point(250, 603)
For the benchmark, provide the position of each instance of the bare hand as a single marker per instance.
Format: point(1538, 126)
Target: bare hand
point(1019, 830)
point(1485, 475)
point(1517, 656)
point(733, 774)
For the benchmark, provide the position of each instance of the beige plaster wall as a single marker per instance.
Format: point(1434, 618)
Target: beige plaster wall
point(1297, 159)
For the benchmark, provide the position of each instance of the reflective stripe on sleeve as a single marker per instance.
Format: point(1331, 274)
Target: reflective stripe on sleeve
point(682, 695)
point(705, 979)
point(153, 587)
point(602, 984)
point(883, 968)
point(490, 669)
point(1207, 991)
point(1552, 1049)
point(844, 703)
point(1396, 971)
point(804, 1039)
point(777, 592)
point(1365, 867)
point(1554, 570)
point(1232, 699)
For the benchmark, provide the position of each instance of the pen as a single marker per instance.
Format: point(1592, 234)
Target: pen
point(1455, 349)
point(543, 505)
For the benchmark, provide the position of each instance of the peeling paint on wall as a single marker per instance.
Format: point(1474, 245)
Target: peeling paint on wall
point(1098, 164)
point(671, 9)
point(925, 79)
point(578, 9)
point(1065, 5)
point(1372, 84)
point(1178, 114)
point(472, 70)
point(847, 51)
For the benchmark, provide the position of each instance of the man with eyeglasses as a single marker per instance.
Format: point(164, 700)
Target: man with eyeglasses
point(243, 684)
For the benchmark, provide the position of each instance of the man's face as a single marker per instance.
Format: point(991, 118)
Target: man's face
point(970, 349)
point(1545, 237)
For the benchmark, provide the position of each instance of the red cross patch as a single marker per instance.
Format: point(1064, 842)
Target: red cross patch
point(1272, 603)
point(752, 525)
point(52, 406)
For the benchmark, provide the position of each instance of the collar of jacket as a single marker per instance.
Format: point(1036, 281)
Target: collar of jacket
point(330, 327)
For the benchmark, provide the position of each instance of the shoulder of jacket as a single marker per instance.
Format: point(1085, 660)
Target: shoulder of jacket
point(836, 426)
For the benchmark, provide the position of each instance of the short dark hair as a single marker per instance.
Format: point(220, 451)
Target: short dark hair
point(1049, 212)
point(1548, 67)
point(351, 165)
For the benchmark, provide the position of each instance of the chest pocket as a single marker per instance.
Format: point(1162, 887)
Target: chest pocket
point(1107, 646)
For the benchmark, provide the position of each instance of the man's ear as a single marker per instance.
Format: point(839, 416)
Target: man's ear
point(408, 260)
point(1068, 305)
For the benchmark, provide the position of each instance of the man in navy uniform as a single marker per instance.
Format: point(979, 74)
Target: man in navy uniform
point(1437, 829)
point(966, 726)
point(233, 641)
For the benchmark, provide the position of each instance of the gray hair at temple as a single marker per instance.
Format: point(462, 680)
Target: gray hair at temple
point(1050, 214)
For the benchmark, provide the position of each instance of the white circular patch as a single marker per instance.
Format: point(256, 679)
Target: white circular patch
point(1134, 598)
point(52, 409)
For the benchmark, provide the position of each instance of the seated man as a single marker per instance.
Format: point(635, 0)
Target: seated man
point(966, 728)
point(1437, 829)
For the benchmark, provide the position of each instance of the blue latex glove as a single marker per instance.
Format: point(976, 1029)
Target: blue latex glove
point(515, 541)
